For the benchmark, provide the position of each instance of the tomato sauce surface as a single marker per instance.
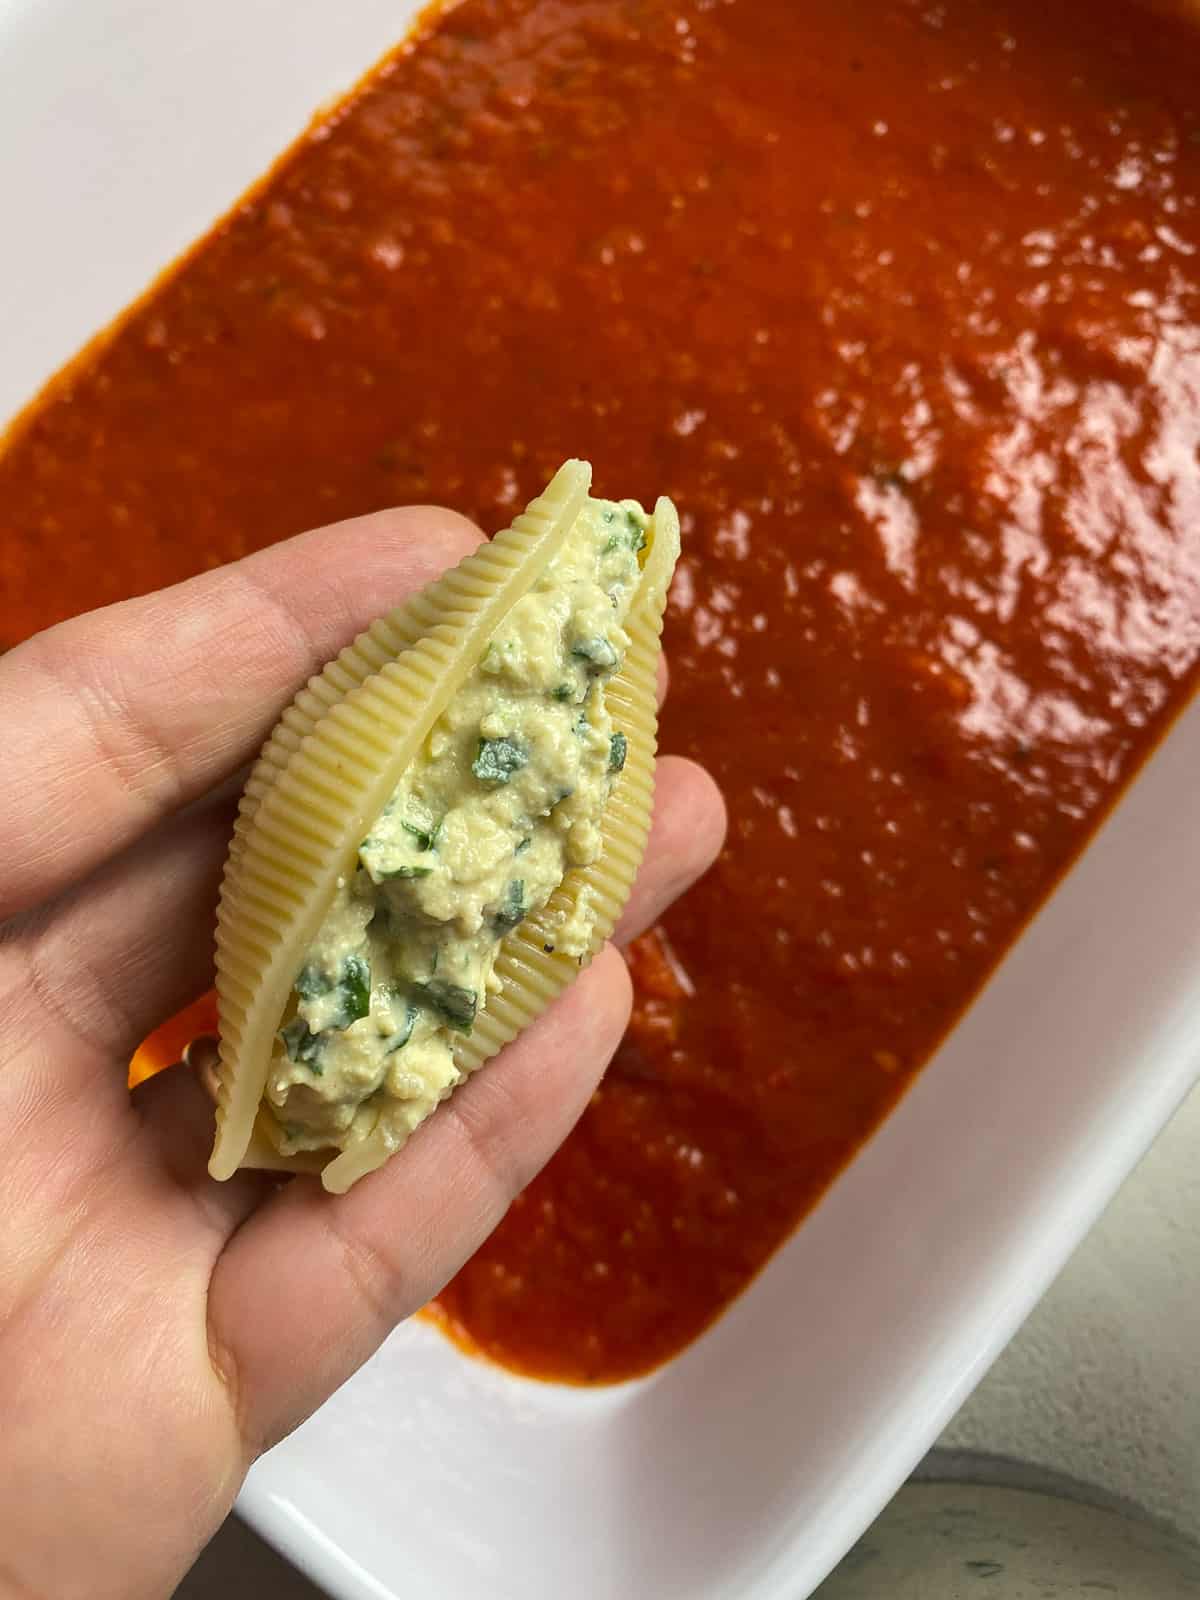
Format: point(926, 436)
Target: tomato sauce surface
point(901, 303)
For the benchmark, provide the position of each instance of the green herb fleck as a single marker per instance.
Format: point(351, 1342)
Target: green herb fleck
point(424, 833)
point(354, 992)
point(523, 846)
point(512, 908)
point(497, 651)
point(352, 988)
point(312, 982)
point(454, 1004)
point(379, 862)
point(497, 759)
point(582, 725)
point(303, 1046)
point(598, 655)
point(403, 1033)
point(632, 537)
point(618, 747)
point(565, 691)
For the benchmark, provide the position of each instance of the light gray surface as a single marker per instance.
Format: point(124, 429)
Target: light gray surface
point(1103, 1381)
point(942, 1541)
point(1102, 1384)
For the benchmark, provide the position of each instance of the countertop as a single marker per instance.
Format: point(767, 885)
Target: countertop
point(1101, 1386)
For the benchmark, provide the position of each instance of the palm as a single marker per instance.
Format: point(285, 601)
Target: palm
point(158, 1330)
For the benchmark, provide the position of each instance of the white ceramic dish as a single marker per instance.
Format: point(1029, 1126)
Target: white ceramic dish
point(748, 1466)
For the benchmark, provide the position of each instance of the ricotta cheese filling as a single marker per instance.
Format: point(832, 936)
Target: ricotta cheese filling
point(504, 800)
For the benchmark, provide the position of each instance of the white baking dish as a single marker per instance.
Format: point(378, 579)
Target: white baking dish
point(746, 1467)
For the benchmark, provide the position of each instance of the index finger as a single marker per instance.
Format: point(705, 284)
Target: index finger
point(119, 717)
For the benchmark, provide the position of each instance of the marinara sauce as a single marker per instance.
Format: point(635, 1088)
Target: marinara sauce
point(900, 301)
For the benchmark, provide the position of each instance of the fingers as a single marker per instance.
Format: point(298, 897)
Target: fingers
point(685, 838)
point(117, 718)
point(311, 1284)
point(175, 1111)
point(129, 945)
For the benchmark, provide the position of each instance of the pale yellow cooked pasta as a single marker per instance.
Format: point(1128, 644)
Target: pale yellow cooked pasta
point(327, 772)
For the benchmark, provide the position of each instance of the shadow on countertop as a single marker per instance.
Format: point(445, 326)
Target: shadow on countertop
point(238, 1565)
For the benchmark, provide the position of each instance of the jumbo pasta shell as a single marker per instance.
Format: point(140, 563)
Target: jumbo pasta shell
point(330, 765)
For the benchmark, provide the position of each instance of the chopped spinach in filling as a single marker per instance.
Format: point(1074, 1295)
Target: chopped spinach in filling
point(505, 799)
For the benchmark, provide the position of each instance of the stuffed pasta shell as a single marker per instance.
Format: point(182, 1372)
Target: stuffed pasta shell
point(440, 833)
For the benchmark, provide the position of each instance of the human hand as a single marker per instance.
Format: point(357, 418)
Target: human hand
point(158, 1330)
